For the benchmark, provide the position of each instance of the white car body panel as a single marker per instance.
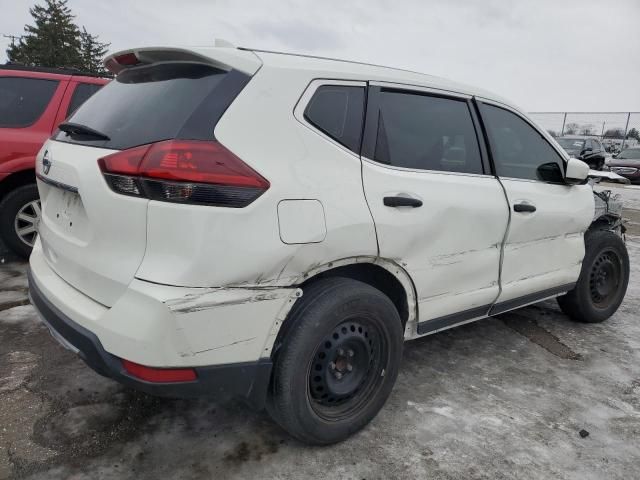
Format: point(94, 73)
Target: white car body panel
point(163, 326)
point(451, 245)
point(260, 129)
point(544, 249)
point(169, 285)
point(95, 239)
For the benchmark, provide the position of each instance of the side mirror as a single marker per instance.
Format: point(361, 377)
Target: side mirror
point(577, 171)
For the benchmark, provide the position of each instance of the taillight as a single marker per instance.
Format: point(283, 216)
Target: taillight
point(184, 171)
point(127, 59)
point(159, 375)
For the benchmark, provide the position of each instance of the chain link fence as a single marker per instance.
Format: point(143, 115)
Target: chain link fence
point(616, 129)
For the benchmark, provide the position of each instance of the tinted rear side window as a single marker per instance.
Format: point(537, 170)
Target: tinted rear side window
point(24, 100)
point(427, 133)
point(80, 95)
point(338, 111)
point(158, 102)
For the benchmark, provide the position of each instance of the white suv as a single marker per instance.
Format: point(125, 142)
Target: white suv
point(273, 227)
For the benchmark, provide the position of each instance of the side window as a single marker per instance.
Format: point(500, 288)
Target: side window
point(588, 144)
point(24, 100)
point(80, 95)
point(426, 132)
point(596, 146)
point(519, 151)
point(338, 110)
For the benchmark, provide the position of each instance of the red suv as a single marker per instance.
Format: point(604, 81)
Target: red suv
point(33, 101)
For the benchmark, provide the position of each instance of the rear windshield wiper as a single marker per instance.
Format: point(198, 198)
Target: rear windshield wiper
point(77, 129)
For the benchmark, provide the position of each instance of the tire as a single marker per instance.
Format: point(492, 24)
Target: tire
point(337, 363)
point(603, 279)
point(21, 200)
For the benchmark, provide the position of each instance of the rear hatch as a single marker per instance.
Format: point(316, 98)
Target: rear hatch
point(94, 235)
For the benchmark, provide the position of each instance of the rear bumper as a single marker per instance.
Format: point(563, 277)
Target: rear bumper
point(248, 380)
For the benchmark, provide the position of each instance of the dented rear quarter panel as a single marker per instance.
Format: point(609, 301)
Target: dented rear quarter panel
point(213, 246)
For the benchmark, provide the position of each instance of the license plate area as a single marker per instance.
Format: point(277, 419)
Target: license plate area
point(66, 215)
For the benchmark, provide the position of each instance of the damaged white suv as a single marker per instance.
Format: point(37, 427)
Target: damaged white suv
point(221, 221)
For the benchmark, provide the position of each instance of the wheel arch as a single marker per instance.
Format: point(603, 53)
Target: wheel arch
point(383, 274)
point(17, 179)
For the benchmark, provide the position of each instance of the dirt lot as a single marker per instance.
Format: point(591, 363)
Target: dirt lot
point(505, 397)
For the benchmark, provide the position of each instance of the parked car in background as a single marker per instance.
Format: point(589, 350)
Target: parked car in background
point(33, 101)
point(589, 150)
point(221, 221)
point(627, 164)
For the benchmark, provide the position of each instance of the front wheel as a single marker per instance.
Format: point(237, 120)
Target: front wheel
point(338, 361)
point(603, 279)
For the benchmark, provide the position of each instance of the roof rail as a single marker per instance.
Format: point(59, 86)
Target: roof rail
point(59, 71)
point(317, 57)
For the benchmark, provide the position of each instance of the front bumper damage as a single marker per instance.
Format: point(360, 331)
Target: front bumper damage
point(608, 212)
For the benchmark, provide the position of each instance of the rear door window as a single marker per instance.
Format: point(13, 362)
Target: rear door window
point(80, 95)
point(157, 102)
point(24, 100)
point(338, 111)
point(426, 132)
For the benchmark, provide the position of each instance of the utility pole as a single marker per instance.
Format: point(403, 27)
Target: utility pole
point(626, 127)
point(13, 38)
point(564, 120)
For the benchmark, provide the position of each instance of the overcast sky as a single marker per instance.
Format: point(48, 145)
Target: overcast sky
point(541, 54)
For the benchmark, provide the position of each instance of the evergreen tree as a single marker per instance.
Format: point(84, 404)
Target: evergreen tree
point(633, 133)
point(92, 51)
point(56, 41)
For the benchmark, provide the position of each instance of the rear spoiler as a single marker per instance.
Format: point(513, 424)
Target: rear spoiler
point(224, 58)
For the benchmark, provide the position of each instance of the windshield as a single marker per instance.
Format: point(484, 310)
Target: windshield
point(630, 153)
point(153, 103)
point(571, 143)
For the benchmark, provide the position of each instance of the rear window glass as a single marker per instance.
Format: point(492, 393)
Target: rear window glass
point(338, 111)
point(158, 102)
point(24, 100)
point(427, 133)
point(80, 95)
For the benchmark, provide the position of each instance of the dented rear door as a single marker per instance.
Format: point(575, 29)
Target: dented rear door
point(437, 213)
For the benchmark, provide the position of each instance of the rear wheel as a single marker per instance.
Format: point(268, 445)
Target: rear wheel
point(603, 279)
point(19, 218)
point(338, 361)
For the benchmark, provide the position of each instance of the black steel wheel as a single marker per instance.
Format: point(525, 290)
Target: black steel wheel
point(603, 279)
point(346, 368)
point(336, 361)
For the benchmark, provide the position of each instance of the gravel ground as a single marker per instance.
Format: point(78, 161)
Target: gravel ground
point(505, 397)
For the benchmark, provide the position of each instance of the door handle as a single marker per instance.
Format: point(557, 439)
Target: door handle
point(402, 202)
point(524, 207)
